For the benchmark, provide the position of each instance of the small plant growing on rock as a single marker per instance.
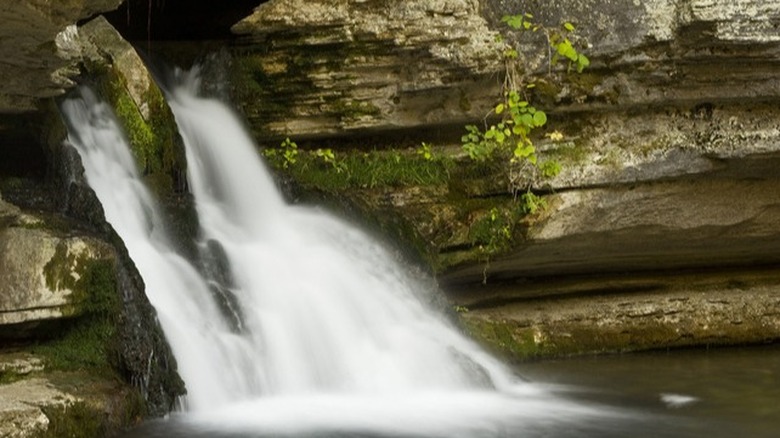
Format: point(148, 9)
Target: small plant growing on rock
point(329, 158)
point(425, 150)
point(510, 134)
point(518, 118)
point(283, 157)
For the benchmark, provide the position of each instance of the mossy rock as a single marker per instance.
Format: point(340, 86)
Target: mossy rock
point(154, 139)
point(124, 81)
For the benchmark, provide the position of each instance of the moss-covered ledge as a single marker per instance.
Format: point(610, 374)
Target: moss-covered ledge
point(567, 317)
point(443, 209)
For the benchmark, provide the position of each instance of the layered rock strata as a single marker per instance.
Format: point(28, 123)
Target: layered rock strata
point(669, 155)
point(319, 68)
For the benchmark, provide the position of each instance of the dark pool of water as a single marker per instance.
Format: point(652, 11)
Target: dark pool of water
point(716, 393)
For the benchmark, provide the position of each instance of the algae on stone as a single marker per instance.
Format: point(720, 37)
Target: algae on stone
point(138, 103)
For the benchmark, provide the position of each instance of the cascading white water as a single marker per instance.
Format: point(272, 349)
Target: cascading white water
point(328, 330)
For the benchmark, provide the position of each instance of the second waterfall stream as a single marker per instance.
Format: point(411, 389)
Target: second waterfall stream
point(300, 323)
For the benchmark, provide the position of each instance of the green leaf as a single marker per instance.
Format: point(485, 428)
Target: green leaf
point(529, 86)
point(571, 53)
point(568, 26)
point(550, 169)
point(527, 120)
point(513, 21)
point(540, 118)
point(499, 108)
point(524, 150)
point(582, 62)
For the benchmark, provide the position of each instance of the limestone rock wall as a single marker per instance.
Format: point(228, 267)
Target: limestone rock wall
point(670, 151)
point(319, 68)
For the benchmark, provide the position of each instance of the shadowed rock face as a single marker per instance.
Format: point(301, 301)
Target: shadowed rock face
point(192, 20)
point(33, 65)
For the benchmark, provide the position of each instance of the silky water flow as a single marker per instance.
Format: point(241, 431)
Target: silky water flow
point(293, 321)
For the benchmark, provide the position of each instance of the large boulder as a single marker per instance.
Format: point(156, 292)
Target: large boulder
point(41, 272)
point(22, 405)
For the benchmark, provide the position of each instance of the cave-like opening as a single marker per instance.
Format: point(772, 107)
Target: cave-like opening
point(166, 20)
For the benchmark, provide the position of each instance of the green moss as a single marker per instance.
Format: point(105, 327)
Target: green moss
point(90, 342)
point(155, 141)
point(445, 218)
point(585, 82)
point(7, 377)
point(349, 110)
point(518, 343)
point(105, 405)
point(76, 420)
point(493, 233)
point(369, 170)
point(568, 154)
point(463, 102)
point(62, 269)
point(547, 90)
point(514, 343)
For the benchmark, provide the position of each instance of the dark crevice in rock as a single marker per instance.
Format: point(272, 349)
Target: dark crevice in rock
point(21, 154)
point(155, 20)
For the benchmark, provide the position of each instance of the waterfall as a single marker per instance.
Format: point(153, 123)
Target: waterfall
point(294, 320)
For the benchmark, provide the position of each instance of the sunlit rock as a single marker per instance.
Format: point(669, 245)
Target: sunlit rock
point(41, 271)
